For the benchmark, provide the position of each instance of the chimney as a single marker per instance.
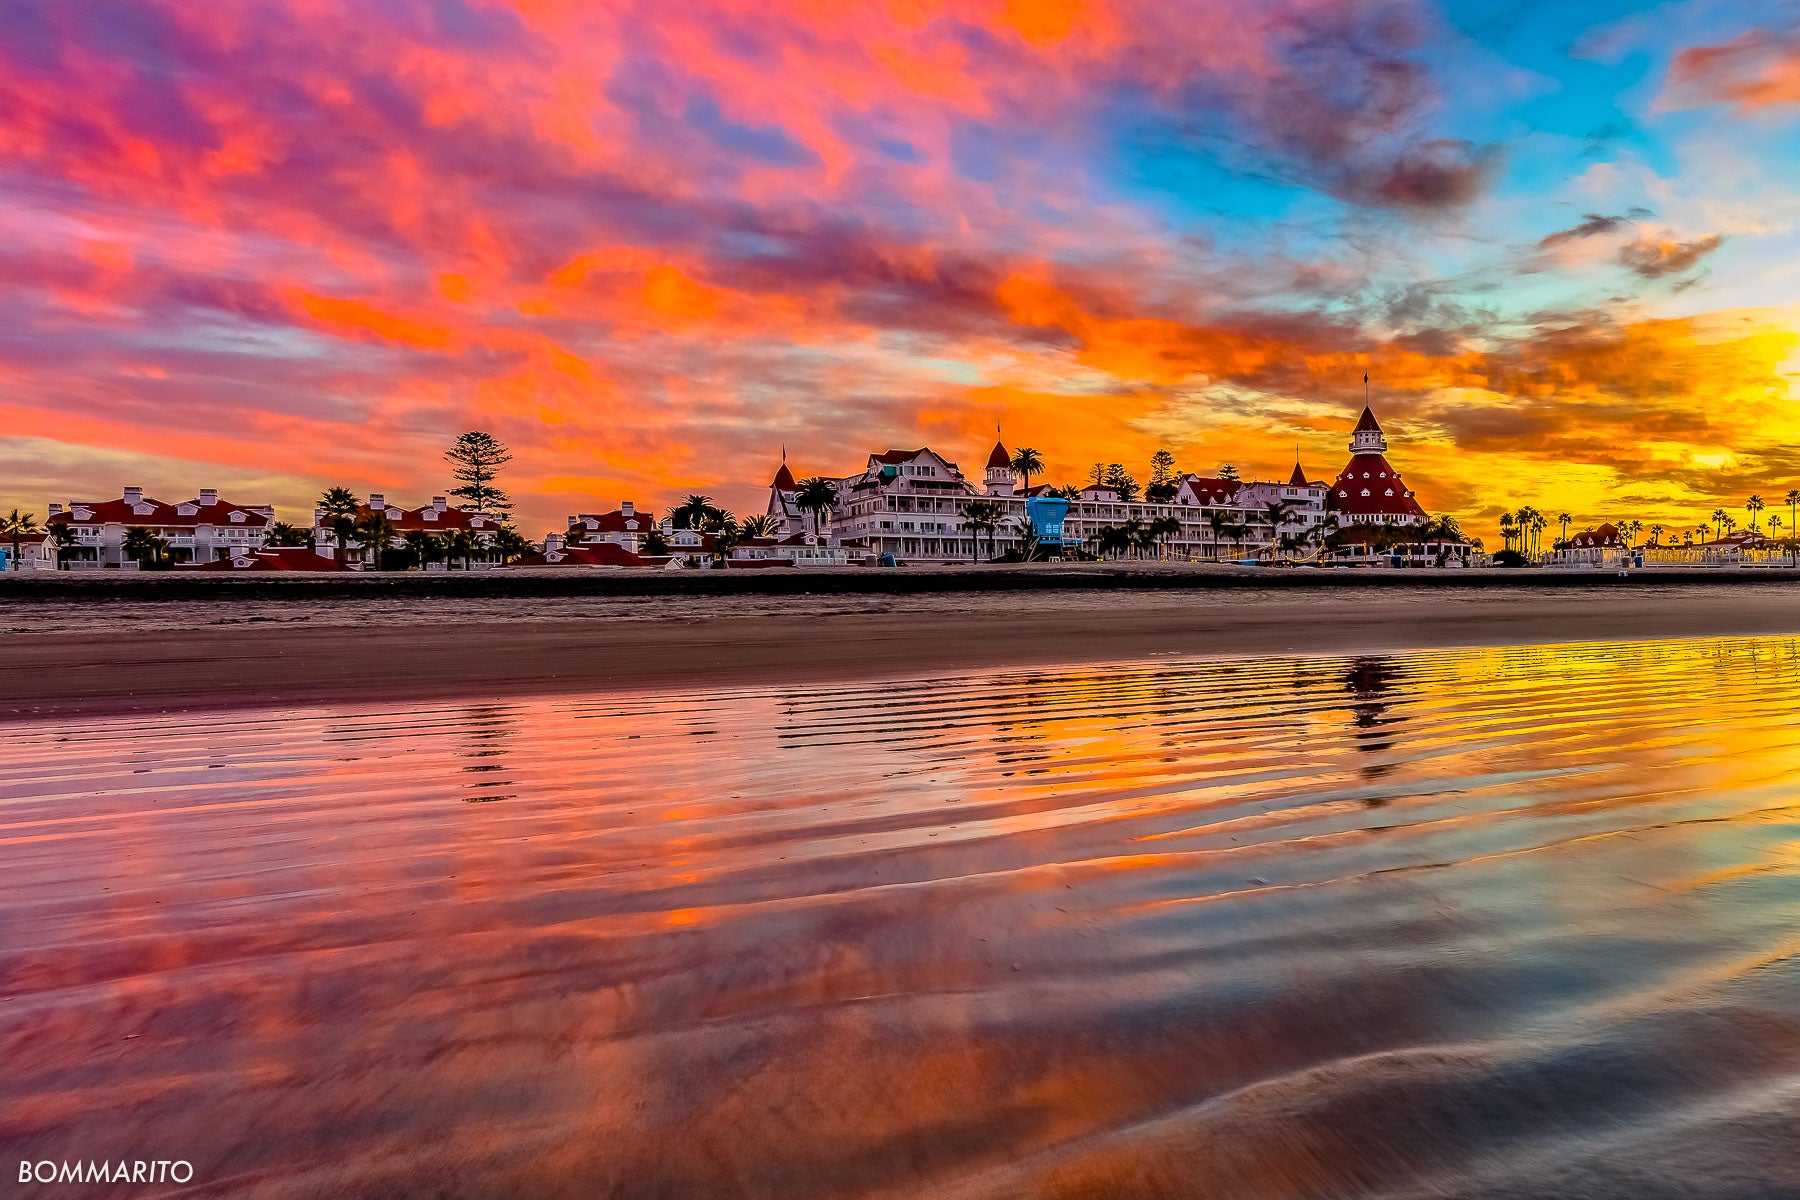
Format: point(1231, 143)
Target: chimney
point(377, 500)
point(55, 508)
point(552, 542)
point(326, 548)
point(570, 523)
point(208, 496)
point(625, 508)
point(437, 502)
point(134, 495)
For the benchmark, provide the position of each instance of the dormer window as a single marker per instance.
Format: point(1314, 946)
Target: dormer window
point(237, 518)
point(187, 510)
point(430, 514)
point(142, 510)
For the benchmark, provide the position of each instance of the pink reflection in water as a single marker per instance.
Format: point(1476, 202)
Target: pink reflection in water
point(1486, 923)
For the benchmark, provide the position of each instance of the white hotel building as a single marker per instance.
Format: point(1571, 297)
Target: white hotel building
point(909, 503)
point(202, 530)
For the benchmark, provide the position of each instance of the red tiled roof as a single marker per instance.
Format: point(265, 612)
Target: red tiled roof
point(898, 456)
point(999, 457)
point(1369, 487)
point(1590, 539)
point(784, 479)
point(270, 558)
point(617, 521)
point(1367, 422)
point(1298, 478)
point(107, 512)
point(1210, 489)
point(447, 518)
point(594, 554)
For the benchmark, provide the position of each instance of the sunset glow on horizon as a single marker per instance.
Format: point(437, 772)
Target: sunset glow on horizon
point(274, 246)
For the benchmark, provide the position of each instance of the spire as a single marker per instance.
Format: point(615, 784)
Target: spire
point(1298, 479)
point(999, 459)
point(784, 478)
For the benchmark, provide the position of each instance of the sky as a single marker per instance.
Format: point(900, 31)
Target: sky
point(275, 245)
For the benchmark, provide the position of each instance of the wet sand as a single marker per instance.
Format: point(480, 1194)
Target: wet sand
point(107, 652)
point(1503, 923)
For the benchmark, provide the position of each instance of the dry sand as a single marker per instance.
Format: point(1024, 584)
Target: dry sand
point(76, 653)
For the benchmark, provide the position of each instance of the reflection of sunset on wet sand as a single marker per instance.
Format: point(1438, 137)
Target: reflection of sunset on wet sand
point(1494, 922)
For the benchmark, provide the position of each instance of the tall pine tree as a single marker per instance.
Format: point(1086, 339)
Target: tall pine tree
point(476, 459)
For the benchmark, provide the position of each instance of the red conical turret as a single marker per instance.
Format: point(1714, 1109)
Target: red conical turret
point(999, 459)
point(784, 479)
point(1298, 478)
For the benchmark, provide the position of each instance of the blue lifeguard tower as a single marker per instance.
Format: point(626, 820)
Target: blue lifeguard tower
point(1046, 514)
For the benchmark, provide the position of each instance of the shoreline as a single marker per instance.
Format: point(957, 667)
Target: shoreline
point(540, 582)
point(301, 648)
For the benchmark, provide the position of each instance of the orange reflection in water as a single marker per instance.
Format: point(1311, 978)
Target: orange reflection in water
point(1505, 922)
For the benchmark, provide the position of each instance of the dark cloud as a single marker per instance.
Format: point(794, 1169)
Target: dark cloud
point(1654, 259)
point(1592, 225)
point(1439, 174)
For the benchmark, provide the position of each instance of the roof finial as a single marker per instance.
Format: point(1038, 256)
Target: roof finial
point(784, 452)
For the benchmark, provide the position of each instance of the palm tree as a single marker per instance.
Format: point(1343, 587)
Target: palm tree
point(376, 533)
point(1656, 532)
point(1112, 540)
point(1237, 533)
point(1630, 530)
point(509, 543)
point(1027, 462)
point(1530, 523)
point(1754, 507)
point(1719, 518)
point(1793, 498)
point(424, 547)
point(1509, 529)
point(17, 525)
point(982, 516)
point(339, 502)
point(817, 495)
point(1276, 514)
point(282, 534)
point(1133, 533)
point(63, 535)
point(1218, 523)
point(1026, 532)
point(726, 537)
point(460, 544)
point(1728, 524)
point(759, 526)
point(1537, 533)
point(338, 512)
point(654, 544)
point(1162, 529)
point(1563, 519)
point(144, 547)
point(694, 512)
point(1775, 528)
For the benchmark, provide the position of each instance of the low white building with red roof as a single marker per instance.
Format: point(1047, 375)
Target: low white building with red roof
point(437, 517)
point(203, 529)
point(623, 526)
